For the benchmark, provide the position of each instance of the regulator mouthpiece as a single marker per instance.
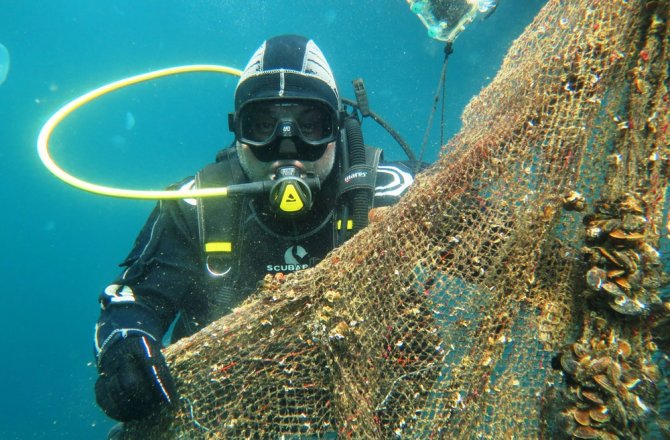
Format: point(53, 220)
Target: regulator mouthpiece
point(291, 195)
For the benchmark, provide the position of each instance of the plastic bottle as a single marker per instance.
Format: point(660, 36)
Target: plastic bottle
point(436, 28)
point(486, 5)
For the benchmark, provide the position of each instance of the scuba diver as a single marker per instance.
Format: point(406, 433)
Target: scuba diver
point(306, 184)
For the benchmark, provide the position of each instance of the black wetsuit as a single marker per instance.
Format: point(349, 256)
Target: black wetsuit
point(166, 275)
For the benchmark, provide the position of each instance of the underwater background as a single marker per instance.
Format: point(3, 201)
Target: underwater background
point(61, 246)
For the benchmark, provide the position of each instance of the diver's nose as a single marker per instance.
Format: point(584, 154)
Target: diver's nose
point(287, 148)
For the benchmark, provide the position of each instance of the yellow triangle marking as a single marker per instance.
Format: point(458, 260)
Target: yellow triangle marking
point(290, 201)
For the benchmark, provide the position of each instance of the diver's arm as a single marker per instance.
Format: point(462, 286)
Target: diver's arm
point(393, 179)
point(163, 267)
point(138, 308)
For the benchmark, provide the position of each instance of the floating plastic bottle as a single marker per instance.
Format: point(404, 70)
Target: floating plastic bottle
point(418, 7)
point(446, 19)
point(485, 6)
point(4, 63)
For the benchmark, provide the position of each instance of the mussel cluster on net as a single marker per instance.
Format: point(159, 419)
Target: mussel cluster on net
point(611, 377)
point(625, 270)
point(611, 386)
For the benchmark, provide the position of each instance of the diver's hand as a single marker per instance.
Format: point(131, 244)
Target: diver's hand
point(134, 379)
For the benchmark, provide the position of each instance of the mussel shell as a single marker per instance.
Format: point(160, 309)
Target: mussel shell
point(626, 306)
point(592, 396)
point(592, 256)
point(612, 288)
point(574, 201)
point(624, 348)
point(605, 383)
point(630, 203)
point(631, 384)
point(650, 255)
point(630, 237)
point(614, 372)
point(609, 256)
point(579, 350)
point(581, 416)
point(633, 222)
point(594, 233)
point(599, 365)
point(615, 273)
point(604, 208)
point(595, 277)
point(617, 410)
point(586, 432)
point(591, 218)
point(569, 364)
point(628, 259)
point(622, 282)
point(600, 414)
point(611, 224)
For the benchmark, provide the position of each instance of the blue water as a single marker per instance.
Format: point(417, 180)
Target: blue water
point(61, 246)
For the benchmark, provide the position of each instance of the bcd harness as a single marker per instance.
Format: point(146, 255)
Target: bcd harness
point(220, 219)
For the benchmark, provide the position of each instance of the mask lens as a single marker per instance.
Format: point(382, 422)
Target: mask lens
point(315, 124)
point(258, 127)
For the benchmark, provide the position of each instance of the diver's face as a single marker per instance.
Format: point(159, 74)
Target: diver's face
point(258, 170)
point(288, 132)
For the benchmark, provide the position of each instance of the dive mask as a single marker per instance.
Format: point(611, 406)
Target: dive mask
point(310, 125)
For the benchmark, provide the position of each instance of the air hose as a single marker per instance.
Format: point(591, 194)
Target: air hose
point(365, 111)
point(361, 197)
point(60, 115)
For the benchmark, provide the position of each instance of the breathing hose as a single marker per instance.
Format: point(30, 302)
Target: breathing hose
point(60, 115)
point(360, 198)
point(385, 125)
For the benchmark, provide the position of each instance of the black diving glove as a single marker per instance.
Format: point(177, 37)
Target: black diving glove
point(134, 378)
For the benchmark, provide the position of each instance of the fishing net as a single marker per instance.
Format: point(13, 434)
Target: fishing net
point(517, 290)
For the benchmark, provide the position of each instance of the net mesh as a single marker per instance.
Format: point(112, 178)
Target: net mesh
point(515, 292)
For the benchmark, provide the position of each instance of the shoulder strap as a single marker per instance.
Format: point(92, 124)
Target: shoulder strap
point(219, 217)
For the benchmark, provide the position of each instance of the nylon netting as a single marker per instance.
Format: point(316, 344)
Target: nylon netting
point(515, 292)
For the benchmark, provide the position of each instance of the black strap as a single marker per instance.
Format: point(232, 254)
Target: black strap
point(219, 217)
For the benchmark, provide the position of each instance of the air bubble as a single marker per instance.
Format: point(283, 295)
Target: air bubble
point(4, 63)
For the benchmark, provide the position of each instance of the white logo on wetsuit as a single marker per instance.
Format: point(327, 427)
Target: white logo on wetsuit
point(118, 293)
point(295, 258)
